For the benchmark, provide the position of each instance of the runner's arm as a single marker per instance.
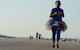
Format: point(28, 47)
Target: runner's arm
point(62, 14)
point(53, 14)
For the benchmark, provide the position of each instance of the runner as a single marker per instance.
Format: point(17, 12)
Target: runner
point(56, 14)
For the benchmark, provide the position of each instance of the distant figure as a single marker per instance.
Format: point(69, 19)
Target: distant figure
point(56, 14)
point(39, 36)
point(31, 37)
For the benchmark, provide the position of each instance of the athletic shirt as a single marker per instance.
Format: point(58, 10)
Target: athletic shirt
point(57, 18)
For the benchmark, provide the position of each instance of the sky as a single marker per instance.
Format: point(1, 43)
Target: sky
point(23, 18)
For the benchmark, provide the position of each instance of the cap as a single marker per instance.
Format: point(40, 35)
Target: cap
point(58, 2)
